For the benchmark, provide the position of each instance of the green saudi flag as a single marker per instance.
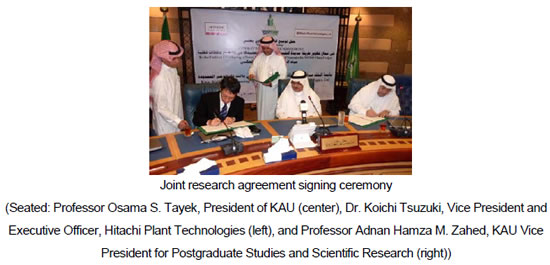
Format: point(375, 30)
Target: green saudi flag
point(352, 70)
point(165, 30)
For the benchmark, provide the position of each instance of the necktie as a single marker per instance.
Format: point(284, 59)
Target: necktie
point(223, 113)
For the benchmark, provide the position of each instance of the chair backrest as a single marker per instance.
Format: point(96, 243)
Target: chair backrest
point(192, 95)
point(284, 82)
point(403, 91)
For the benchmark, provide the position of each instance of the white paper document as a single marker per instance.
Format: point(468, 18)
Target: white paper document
point(207, 129)
point(243, 132)
point(363, 120)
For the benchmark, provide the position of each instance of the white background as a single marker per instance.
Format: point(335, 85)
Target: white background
point(74, 115)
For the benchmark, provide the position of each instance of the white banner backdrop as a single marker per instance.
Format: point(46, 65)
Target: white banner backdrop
point(225, 43)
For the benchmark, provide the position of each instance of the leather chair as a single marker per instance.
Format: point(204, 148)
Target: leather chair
point(192, 95)
point(284, 82)
point(403, 91)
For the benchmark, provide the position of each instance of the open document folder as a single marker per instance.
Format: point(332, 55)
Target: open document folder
point(268, 80)
point(363, 120)
point(207, 129)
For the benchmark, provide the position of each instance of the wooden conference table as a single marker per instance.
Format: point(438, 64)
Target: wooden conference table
point(381, 153)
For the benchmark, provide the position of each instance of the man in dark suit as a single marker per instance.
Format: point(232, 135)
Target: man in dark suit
point(220, 106)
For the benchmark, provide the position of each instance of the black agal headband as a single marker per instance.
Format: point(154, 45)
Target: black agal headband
point(262, 41)
point(296, 76)
point(176, 52)
point(386, 82)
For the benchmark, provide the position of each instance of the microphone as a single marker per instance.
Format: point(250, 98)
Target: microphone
point(325, 130)
point(303, 109)
point(234, 147)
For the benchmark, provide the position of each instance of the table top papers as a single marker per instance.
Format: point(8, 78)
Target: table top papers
point(207, 129)
point(363, 120)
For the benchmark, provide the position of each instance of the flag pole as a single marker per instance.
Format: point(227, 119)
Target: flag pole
point(353, 57)
point(165, 30)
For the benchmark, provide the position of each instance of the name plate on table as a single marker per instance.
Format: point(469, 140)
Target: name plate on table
point(339, 142)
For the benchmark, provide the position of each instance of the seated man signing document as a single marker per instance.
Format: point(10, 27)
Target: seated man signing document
point(377, 99)
point(225, 105)
point(288, 105)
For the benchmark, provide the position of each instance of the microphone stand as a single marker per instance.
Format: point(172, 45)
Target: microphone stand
point(303, 110)
point(324, 131)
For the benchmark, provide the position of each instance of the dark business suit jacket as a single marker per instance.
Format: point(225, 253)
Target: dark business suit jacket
point(210, 104)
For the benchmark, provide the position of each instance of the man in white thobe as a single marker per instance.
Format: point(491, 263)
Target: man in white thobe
point(268, 61)
point(377, 99)
point(298, 89)
point(165, 89)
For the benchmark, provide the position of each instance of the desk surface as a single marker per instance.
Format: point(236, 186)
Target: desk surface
point(380, 153)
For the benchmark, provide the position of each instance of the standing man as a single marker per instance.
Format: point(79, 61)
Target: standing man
point(268, 61)
point(165, 89)
point(226, 106)
point(288, 105)
point(377, 99)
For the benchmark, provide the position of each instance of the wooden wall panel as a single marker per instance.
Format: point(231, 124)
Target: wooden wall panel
point(408, 69)
point(374, 67)
point(155, 24)
point(372, 44)
point(373, 20)
point(392, 24)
